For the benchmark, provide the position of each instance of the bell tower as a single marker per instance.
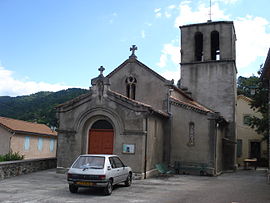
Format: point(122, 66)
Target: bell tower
point(208, 70)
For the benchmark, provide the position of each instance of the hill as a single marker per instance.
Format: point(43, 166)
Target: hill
point(38, 107)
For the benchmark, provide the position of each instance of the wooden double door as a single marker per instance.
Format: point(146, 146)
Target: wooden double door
point(100, 141)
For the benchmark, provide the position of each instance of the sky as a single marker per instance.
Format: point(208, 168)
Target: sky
point(49, 45)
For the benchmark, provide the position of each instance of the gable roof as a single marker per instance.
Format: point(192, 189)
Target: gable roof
point(133, 60)
point(246, 99)
point(192, 105)
point(74, 100)
point(137, 103)
point(19, 126)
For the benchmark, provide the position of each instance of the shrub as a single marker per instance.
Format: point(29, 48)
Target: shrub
point(11, 156)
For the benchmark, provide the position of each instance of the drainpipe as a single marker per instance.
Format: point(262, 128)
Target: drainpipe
point(168, 101)
point(268, 127)
point(145, 147)
point(10, 141)
point(215, 147)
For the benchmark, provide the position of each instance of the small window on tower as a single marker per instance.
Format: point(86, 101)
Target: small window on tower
point(131, 87)
point(198, 46)
point(215, 51)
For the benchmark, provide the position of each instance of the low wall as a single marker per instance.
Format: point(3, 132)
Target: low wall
point(15, 168)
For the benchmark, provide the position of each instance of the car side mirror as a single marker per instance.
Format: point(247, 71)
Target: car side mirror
point(109, 168)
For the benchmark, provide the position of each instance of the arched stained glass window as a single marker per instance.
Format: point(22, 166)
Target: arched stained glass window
point(131, 87)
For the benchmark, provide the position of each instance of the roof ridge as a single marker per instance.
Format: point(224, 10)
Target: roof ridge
point(193, 105)
point(140, 64)
point(19, 126)
point(22, 120)
point(140, 103)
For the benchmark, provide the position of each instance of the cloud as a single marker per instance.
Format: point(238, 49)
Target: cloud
point(167, 11)
point(252, 39)
point(143, 34)
point(113, 16)
point(169, 75)
point(200, 14)
point(158, 12)
point(9, 86)
point(226, 1)
point(162, 61)
point(171, 52)
point(171, 7)
point(167, 14)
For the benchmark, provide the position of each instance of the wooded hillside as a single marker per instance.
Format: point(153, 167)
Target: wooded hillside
point(38, 107)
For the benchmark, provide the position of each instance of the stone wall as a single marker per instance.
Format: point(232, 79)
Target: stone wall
point(15, 168)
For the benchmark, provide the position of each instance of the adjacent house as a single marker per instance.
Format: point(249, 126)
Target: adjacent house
point(249, 143)
point(29, 139)
point(266, 77)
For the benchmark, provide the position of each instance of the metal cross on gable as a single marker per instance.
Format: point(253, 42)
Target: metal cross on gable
point(101, 69)
point(133, 49)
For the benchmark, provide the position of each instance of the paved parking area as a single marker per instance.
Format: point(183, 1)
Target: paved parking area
point(48, 186)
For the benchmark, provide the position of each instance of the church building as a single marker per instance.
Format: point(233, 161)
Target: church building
point(137, 114)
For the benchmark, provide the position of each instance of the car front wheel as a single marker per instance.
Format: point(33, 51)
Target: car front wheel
point(128, 180)
point(73, 188)
point(108, 189)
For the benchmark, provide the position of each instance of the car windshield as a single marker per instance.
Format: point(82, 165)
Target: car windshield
point(89, 162)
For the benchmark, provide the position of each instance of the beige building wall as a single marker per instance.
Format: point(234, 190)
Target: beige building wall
point(4, 141)
point(18, 144)
point(245, 133)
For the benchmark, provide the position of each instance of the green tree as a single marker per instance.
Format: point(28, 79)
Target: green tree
point(260, 103)
point(246, 85)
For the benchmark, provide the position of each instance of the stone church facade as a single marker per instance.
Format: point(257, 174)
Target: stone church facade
point(145, 119)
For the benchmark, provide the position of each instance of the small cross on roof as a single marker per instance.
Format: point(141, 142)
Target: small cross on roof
point(101, 69)
point(133, 49)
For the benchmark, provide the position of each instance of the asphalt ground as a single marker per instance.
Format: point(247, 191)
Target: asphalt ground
point(243, 186)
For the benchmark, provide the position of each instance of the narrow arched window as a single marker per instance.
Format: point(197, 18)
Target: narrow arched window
point(131, 87)
point(198, 46)
point(215, 51)
point(191, 140)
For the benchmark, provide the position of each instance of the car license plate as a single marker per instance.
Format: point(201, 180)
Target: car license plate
point(85, 183)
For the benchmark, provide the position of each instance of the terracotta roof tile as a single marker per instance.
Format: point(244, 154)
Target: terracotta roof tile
point(247, 99)
point(192, 104)
point(139, 103)
point(26, 127)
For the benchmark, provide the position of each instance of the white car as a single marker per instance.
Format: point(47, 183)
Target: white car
point(98, 170)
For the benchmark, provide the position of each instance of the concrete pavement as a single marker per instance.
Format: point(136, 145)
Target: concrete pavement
point(47, 186)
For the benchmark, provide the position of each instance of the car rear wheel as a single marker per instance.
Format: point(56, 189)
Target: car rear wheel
point(128, 180)
point(108, 189)
point(73, 188)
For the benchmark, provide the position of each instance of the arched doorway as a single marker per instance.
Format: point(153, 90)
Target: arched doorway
point(101, 138)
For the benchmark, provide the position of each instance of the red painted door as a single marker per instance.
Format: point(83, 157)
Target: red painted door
point(100, 141)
